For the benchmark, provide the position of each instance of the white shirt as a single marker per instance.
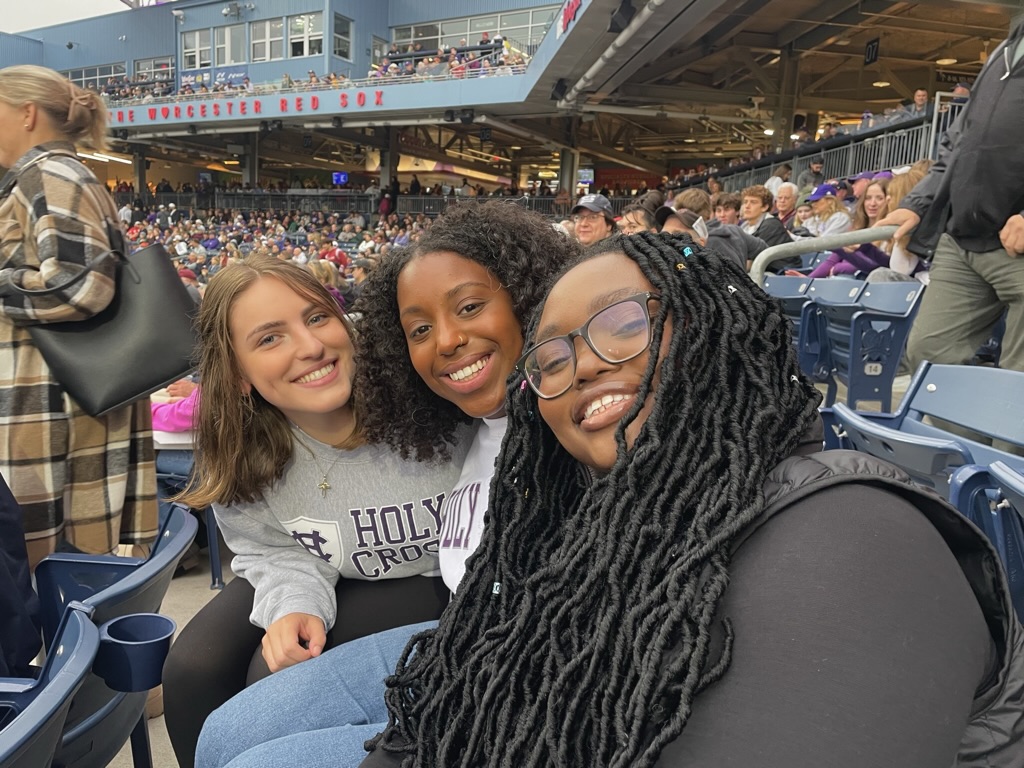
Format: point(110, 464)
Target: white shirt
point(464, 508)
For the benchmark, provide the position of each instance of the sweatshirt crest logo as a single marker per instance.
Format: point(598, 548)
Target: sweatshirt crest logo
point(320, 538)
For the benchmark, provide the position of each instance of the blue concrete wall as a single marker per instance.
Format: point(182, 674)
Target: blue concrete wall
point(17, 49)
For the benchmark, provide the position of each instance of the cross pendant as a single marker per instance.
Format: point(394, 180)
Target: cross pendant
point(324, 486)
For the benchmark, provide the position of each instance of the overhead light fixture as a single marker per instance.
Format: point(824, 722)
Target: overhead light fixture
point(235, 162)
point(689, 140)
point(112, 158)
point(947, 61)
point(842, 41)
point(515, 148)
point(881, 83)
point(467, 116)
point(794, 136)
point(769, 131)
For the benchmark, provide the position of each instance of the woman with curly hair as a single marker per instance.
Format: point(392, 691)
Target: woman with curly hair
point(441, 330)
point(674, 574)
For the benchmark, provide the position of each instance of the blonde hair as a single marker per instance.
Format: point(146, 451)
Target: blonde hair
point(243, 442)
point(834, 206)
point(324, 271)
point(899, 187)
point(77, 113)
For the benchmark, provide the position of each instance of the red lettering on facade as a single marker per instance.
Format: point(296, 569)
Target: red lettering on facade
point(165, 112)
point(190, 111)
point(243, 107)
point(177, 111)
point(131, 115)
point(284, 105)
point(257, 107)
point(361, 99)
point(216, 109)
point(314, 102)
point(152, 113)
point(569, 14)
point(378, 98)
point(344, 100)
point(202, 110)
point(231, 107)
point(298, 103)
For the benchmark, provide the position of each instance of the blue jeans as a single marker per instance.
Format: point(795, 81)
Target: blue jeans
point(317, 713)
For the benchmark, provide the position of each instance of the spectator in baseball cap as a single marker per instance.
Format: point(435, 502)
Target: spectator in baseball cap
point(860, 183)
point(594, 219)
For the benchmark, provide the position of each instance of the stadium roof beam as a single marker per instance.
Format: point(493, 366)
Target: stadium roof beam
point(827, 33)
point(683, 93)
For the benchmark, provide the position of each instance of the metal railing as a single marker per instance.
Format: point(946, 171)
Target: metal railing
point(547, 205)
point(874, 147)
point(815, 244)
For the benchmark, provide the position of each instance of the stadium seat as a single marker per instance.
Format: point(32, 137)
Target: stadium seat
point(100, 720)
point(792, 292)
point(865, 338)
point(993, 498)
point(33, 711)
point(812, 343)
point(986, 401)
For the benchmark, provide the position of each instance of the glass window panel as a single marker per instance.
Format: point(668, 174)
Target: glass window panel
point(454, 27)
point(276, 49)
point(297, 25)
point(316, 47)
point(316, 23)
point(483, 24)
point(277, 28)
point(259, 51)
point(342, 26)
point(422, 31)
point(403, 33)
point(544, 16)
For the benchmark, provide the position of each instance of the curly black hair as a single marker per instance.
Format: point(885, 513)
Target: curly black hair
point(519, 247)
point(581, 633)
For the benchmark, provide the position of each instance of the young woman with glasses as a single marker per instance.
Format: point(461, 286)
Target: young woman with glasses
point(674, 574)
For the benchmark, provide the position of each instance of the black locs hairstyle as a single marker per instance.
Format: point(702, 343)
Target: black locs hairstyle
point(524, 253)
point(580, 635)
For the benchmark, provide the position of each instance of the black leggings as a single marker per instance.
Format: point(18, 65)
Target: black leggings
point(218, 653)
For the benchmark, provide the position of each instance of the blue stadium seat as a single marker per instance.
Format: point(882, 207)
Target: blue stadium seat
point(100, 720)
point(993, 498)
point(865, 338)
point(792, 292)
point(986, 401)
point(812, 344)
point(33, 711)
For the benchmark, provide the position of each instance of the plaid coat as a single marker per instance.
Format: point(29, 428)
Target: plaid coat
point(88, 480)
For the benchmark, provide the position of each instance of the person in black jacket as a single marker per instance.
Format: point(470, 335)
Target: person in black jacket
point(966, 216)
point(674, 574)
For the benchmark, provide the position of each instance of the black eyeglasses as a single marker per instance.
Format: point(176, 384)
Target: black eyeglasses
point(617, 333)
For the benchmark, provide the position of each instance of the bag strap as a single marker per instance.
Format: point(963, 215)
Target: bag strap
point(115, 235)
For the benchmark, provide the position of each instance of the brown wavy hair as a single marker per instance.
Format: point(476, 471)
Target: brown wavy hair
point(242, 442)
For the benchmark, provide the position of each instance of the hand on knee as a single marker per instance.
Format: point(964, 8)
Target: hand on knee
point(293, 638)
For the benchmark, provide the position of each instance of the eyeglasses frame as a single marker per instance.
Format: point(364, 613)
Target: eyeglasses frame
point(583, 332)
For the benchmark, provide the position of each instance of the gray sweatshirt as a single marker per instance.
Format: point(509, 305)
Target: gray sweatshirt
point(380, 519)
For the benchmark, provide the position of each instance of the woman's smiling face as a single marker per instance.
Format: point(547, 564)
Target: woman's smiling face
point(586, 417)
point(461, 330)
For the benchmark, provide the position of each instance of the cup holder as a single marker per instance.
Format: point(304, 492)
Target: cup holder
point(132, 651)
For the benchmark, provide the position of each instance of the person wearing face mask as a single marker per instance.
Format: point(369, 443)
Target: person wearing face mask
point(674, 574)
point(443, 327)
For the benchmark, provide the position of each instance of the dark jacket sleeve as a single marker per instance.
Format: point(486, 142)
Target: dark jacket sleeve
point(920, 198)
point(858, 642)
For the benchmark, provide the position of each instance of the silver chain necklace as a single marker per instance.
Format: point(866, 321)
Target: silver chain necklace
point(323, 485)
